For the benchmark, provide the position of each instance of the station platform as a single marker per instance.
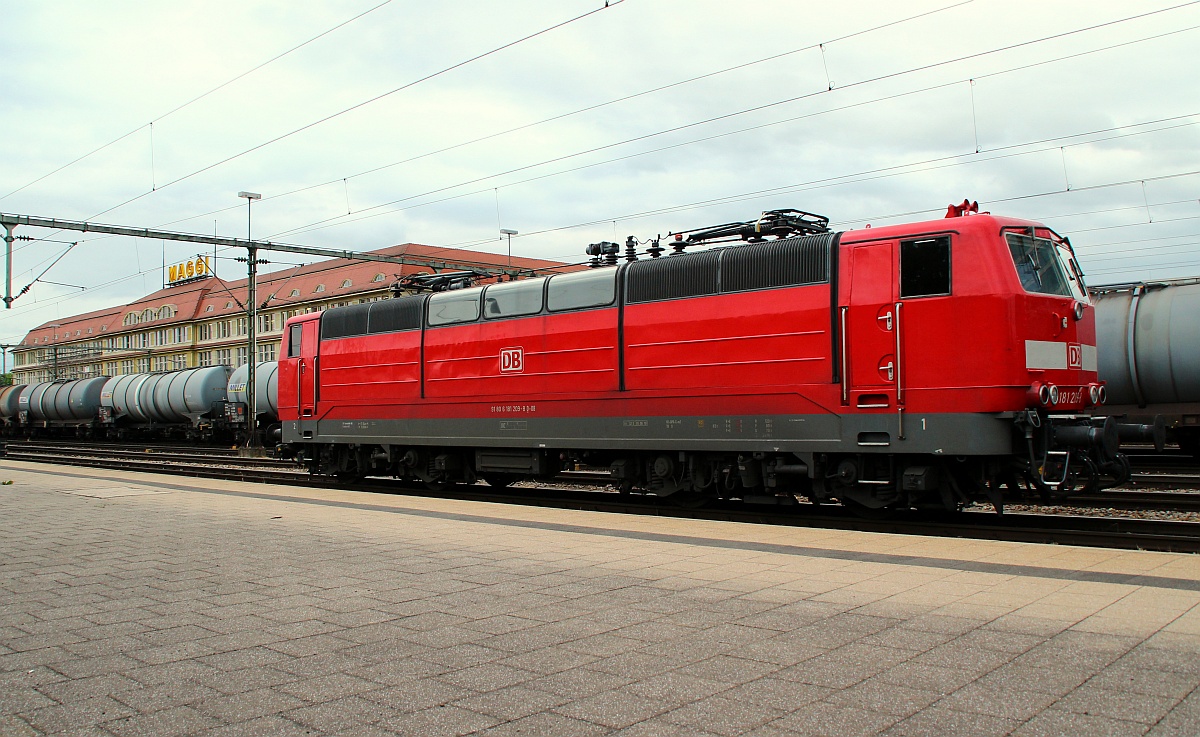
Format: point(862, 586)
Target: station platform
point(139, 604)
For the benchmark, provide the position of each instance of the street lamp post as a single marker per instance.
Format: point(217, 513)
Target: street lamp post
point(252, 324)
point(510, 234)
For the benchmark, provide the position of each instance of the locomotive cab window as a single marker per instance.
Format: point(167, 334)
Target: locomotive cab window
point(513, 298)
point(1046, 268)
point(294, 341)
point(448, 308)
point(925, 267)
point(582, 289)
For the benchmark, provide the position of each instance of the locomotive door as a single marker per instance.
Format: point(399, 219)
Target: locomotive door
point(306, 368)
point(870, 325)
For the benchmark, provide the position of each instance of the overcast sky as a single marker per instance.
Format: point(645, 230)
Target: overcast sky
point(1094, 132)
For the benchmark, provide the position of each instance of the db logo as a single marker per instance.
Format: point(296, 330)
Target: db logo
point(512, 360)
point(1074, 355)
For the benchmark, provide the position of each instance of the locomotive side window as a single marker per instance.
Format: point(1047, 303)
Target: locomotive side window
point(294, 341)
point(925, 267)
point(581, 289)
point(448, 308)
point(513, 298)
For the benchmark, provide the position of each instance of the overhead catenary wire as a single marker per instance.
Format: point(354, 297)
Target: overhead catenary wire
point(758, 108)
point(364, 103)
point(842, 179)
point(586, 109)
point(190, 102)
point(894, 168)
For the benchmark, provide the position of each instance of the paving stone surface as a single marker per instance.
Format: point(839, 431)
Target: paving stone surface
point(134, 604)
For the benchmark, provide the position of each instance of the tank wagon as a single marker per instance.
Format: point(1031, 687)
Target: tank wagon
point(1148, 339)
point(178, 402)
point(266, 389)
point(192, 403)
point(926, 364)
point(71, 404)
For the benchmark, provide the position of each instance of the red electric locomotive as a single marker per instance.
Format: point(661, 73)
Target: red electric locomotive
point(933, 363)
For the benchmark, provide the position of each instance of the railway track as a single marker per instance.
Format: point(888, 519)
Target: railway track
point(1114, 532)
point(199, 461)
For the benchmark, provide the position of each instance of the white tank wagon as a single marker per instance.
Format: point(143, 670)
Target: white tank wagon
point(180, 398)
point(1148, 348)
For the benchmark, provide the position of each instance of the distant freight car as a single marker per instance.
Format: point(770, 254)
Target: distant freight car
point(199, 404)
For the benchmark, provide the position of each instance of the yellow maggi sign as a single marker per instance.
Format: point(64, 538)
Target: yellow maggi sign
point(190, 269)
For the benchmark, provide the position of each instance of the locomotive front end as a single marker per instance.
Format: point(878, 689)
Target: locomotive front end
point(1068, 446)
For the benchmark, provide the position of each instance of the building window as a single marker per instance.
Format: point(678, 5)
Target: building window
point(241, 356)
point(208, 309)
point(320, 288)
point(267, 351)
point(205, 358)
point(266, 323)
point(160, 363)
point(295, 293)
point(228, 305)
point(224, 357)
point(144, 365)
point(241, 326)
point(346, 283)
point(378, 278)
point(127, 367)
